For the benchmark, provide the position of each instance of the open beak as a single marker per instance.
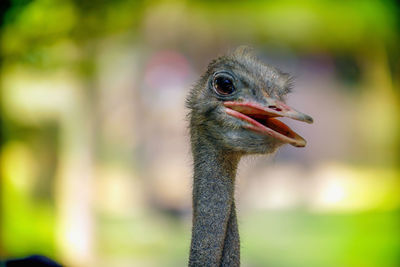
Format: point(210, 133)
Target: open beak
point(262, 119)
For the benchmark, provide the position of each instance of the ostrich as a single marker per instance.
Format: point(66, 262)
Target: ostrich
point(232, 112)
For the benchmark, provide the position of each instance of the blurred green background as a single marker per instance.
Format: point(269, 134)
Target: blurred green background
point(95, 161)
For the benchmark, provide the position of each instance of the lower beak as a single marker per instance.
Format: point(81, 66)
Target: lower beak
point(262, 119)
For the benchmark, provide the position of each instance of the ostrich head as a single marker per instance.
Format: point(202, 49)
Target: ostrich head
point(236, 104)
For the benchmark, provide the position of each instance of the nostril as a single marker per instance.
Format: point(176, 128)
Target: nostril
point(274, 108)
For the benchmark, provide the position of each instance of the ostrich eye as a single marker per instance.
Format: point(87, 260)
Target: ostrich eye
point(223, 85)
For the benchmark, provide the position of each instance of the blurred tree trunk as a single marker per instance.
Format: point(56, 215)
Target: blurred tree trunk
point(75, 183)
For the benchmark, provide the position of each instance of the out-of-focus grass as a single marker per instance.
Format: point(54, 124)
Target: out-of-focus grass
point(303, 239)
point(143, 241)
point(26, 218)
point(284, 238)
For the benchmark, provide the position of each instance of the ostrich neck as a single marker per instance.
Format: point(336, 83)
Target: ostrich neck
point(215, 237)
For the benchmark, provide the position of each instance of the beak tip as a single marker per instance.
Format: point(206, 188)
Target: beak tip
point(309, 120)
point(299, 142)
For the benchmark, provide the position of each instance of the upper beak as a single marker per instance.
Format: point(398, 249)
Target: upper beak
point(274, 108)
point(261, 118)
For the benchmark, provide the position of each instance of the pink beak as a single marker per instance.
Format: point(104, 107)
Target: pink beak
point(261, 118)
